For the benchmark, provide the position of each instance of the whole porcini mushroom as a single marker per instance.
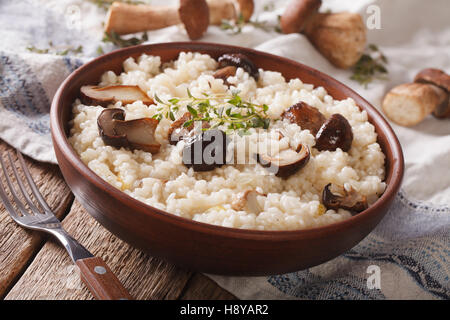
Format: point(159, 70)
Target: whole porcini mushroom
point(410, 103)
point(337, 197)
point(340, 37)
point(124, 18)
point(132, 134)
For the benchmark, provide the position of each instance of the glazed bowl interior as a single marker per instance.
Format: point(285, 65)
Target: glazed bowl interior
point(72, 166)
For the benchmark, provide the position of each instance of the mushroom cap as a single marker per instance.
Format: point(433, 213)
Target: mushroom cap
point(434, 76)
point(335, 133)
point(246, 8)
point(442, 80)
point(296, 15)
point(195, 16)
point(239, 60)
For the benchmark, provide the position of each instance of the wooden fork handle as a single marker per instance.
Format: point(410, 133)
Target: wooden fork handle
point(101, 281)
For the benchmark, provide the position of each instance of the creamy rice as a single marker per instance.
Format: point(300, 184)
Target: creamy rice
point(163, 181)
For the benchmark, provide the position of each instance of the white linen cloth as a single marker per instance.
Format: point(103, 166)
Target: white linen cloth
point(410, 246)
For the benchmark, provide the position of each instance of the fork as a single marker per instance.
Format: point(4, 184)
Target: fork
point(95, 274)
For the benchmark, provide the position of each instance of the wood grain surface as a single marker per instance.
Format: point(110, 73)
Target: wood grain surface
point(34, 266)
point(17, 245)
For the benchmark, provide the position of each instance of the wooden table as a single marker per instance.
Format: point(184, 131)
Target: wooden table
point(34, 266)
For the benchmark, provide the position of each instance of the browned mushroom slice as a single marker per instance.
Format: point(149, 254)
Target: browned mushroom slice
point(440, 79)
point(239, 60)
point(335, 133)
point(247, 201)
point(224, 73)
point(336, 197)
point(178, 132)
point(287, 162)
point(305, 116)
point(103, 96)
point(133, 134)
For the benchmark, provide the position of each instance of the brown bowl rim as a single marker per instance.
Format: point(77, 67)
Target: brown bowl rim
point(60, 138)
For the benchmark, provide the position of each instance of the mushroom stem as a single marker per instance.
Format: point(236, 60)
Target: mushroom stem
point(124, 18)
point(340, 37)
point(221, 10)
point(410, 103)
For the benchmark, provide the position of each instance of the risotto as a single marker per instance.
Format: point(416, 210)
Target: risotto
point(294, 157)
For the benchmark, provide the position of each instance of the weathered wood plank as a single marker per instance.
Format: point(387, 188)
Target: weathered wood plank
point(51, 274)
point(200, 287)
point(17, 245)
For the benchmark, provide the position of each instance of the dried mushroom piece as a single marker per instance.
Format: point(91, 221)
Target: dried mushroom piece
point(337, 197)
point(224, 73)
point(287, 162)
point(239, 60)
point(247, 201)
point(305, 116)
point(132, 134)
point(335, 133)
point(103, 96)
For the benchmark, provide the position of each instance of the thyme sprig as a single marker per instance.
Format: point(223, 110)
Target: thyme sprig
point(117, 40)
point(371, 66)
point(105, 4)
point(58, 50)
point(218, 110)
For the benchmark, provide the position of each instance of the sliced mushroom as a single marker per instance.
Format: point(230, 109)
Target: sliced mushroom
point(178, 132)
point(305, 116)
point(205, 151)
point(239, 60)
point(287, 162)
point(335, 133)
point(224, 73)
point(337, 197)
point(133, 134)
point(103, 96)
point(247, 201)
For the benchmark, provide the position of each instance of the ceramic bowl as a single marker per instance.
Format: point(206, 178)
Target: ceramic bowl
point(199, 246)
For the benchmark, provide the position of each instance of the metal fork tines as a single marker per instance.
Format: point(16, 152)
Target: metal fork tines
point(95, 273)
point(37, 217)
